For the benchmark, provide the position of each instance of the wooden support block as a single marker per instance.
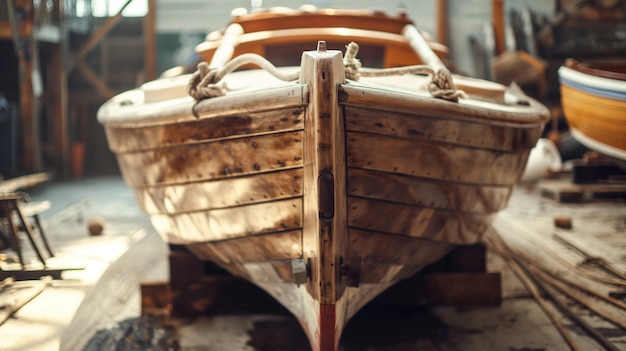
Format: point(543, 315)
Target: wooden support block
point(445, 289)
point(221, 294)
point(184, 266)
point(468, 258)
point(156, 298)
point(198, 287)
point(566, 192)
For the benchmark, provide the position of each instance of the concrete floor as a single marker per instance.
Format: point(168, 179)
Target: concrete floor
point(52, 316)
point(70, 312)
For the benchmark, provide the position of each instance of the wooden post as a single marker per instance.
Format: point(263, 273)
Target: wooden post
point(149, 40)
point(497, 13)
point(325, 208)
point(59, 93)
point(442, 22)
point(31, 156)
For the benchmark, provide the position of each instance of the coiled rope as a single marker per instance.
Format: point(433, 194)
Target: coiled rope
point(204, 83)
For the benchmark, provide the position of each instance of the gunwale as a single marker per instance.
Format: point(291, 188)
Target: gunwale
point(291, 27)
point(118, 113)
point(603, 69)
point(248, 41)
point(595, 85)
point(290, 18)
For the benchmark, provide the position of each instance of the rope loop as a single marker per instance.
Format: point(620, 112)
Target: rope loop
point(203, 83)
point(441, 83)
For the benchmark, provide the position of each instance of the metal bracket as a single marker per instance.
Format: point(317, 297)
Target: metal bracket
point(299, 270)
point(352, 270)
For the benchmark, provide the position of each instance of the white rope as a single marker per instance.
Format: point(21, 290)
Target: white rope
point(204, 82)
point(441, 85)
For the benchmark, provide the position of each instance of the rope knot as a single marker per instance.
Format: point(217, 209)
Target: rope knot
point(351, 64)
point(442, 86)
point(203, 83)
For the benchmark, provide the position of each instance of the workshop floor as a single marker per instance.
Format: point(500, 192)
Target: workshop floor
point(99, 305)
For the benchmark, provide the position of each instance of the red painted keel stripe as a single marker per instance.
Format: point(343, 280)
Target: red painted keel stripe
point(327, 328)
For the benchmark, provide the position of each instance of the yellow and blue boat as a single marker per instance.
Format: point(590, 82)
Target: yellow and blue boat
point(593, 96)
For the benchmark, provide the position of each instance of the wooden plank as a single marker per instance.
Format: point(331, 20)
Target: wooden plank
point(34, 274)
point(360, 19)
point(8, 310)
point(23, 182)
point(206, 195)
point(213, 160)
point(442, 130)
point(564, 191)
point(417, 221)
point(123, 140)
point(392, 47)
point(427, 192)
point(382, 248)
point(257, 248)
point(447, 163)
point(233, 222)
point(521, 116)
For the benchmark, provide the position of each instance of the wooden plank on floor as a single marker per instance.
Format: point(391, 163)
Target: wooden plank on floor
point(22, 298)
point(23, 182)
point(563, 190)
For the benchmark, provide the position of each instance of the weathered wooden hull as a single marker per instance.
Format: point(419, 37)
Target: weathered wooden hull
point(364, 184)
point(594, 104)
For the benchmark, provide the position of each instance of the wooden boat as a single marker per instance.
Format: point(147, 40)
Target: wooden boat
point(593, 96)
point(322, 190)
